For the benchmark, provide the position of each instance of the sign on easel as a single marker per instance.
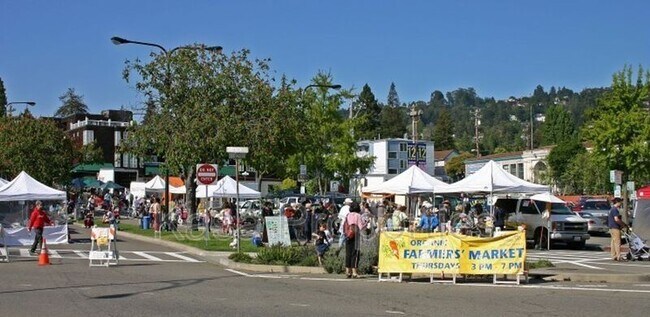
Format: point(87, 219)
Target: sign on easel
point(277, 229)
point(103, 247)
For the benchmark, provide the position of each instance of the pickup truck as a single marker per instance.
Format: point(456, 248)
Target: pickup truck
point(564, 225)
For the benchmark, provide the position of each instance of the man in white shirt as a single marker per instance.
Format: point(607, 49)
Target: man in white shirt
point(343, 213)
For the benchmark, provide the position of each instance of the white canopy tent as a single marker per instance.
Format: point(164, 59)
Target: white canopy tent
point(24, 187)
point(3, 182)
point(547, 197)
point(227, 188)
point(412, 181)
point(156, 185)
point(492, 178)
point(177, 190)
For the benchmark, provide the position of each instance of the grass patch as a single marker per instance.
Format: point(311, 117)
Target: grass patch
point(539, 264)
point(195, 239)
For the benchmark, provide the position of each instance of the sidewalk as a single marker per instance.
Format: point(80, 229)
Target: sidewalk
point(616, 272)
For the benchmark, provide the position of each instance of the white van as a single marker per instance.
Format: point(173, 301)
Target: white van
point(565, 226)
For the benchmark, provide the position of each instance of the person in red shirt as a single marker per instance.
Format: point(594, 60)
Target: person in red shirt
point(37, 220)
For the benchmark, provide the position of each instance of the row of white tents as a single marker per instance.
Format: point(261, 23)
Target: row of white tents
point(490, 179)
point(224, 188)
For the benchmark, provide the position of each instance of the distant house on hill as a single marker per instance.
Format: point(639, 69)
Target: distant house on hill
point(529, 165)
point(440, 159)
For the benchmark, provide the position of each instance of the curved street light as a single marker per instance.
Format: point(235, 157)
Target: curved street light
point(217, 49)
point(9, 109)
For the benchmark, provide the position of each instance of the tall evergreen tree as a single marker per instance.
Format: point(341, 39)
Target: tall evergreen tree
point(443, 133)
point(3, 98)
point(393, 122)
point(71, 103)
point(558, 126)
point(393, 99)
point(368, 107)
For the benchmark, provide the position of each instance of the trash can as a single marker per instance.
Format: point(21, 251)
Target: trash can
point(146, 220)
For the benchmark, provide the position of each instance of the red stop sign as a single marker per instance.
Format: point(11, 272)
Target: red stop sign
point(206, 174)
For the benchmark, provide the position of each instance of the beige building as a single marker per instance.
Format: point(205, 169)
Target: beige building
point(529, 165)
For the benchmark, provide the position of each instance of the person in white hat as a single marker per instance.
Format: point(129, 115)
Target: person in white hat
point(343, 213)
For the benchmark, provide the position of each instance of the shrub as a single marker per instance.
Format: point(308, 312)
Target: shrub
point(240, 257)
point(310, 260)
point(334, 261)
point(279, 255)
point(539, 264)
point(369, 255)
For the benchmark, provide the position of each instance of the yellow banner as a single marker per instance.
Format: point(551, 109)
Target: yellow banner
point(409, 252)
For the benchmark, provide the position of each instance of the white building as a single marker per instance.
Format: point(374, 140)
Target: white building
point(529, 165)
point(392, 157)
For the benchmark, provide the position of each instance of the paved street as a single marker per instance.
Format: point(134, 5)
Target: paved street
point(160, 281)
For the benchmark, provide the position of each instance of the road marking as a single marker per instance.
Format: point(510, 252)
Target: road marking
point(25, 253)
point(551, 287)
point(182, 257)
point(81, 254)
point(148, 256)
point(585, 265)
point(642, 285)
point(395, 312)
point(54, 254)
point(299, 305)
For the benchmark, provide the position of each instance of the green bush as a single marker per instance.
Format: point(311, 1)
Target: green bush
point(310, 260)
point(539, 264)
point(369, 256)
point(334, 261)
point(279, 255)
point(240, 257)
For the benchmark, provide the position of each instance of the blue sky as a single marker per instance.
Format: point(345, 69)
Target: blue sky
point(500, 48)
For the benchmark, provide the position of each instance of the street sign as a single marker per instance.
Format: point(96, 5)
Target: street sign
point(303, 169)
point(206, 174)
point(617, 191)
point(630, 186)
point(616, 177)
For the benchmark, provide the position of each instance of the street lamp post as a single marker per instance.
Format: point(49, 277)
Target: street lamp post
point(9, 109)
point(237, 153)
point(415, 114)
point(119, 41)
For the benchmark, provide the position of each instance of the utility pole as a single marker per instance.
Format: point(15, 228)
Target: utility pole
point(477, 123)
point(532, 124)
point(415, 114)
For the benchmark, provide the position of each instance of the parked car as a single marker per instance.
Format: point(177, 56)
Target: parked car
point(565, 226)
point(595, 225)
point(597, 207)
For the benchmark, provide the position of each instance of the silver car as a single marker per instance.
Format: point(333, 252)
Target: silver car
point(595, 224)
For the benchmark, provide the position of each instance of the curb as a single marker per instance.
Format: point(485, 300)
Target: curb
point(221, 258)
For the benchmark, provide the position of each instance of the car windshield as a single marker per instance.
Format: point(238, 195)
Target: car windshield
point(586, 215)
point(556, 208)
point(596, 205)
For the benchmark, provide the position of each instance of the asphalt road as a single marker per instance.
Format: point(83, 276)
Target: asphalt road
point(148, 287)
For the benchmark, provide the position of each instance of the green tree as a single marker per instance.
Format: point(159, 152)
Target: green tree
point(91, 153)
point(393, 98)
point(561, 156)
point(368, 107)
point(558, 125)
point(455, 168)
point(586, 174)
point(443, 134)
point(205, 102)
point(619, 128)
point(3, 98)
point(71, 103)
point(36, 146)
point(329, 147)
point(393, 122)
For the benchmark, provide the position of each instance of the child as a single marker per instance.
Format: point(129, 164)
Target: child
point(323, 240)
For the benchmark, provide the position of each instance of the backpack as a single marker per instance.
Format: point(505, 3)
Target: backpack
point(350, 230)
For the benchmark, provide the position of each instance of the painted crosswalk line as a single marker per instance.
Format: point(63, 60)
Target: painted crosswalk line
point(145, 256)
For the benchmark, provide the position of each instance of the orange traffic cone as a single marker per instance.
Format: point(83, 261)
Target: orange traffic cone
point(44, 258)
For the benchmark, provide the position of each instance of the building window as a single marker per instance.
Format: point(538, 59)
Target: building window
point(506, 168)
point(118, 137)
point(403, 147)
point(402, 164)
point(513, 169)
point(392, 155)
point(89, 137)
point(520, 170)
point(392, 171)
point(118, 160)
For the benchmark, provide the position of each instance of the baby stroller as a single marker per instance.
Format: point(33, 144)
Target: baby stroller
point(638, 249)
